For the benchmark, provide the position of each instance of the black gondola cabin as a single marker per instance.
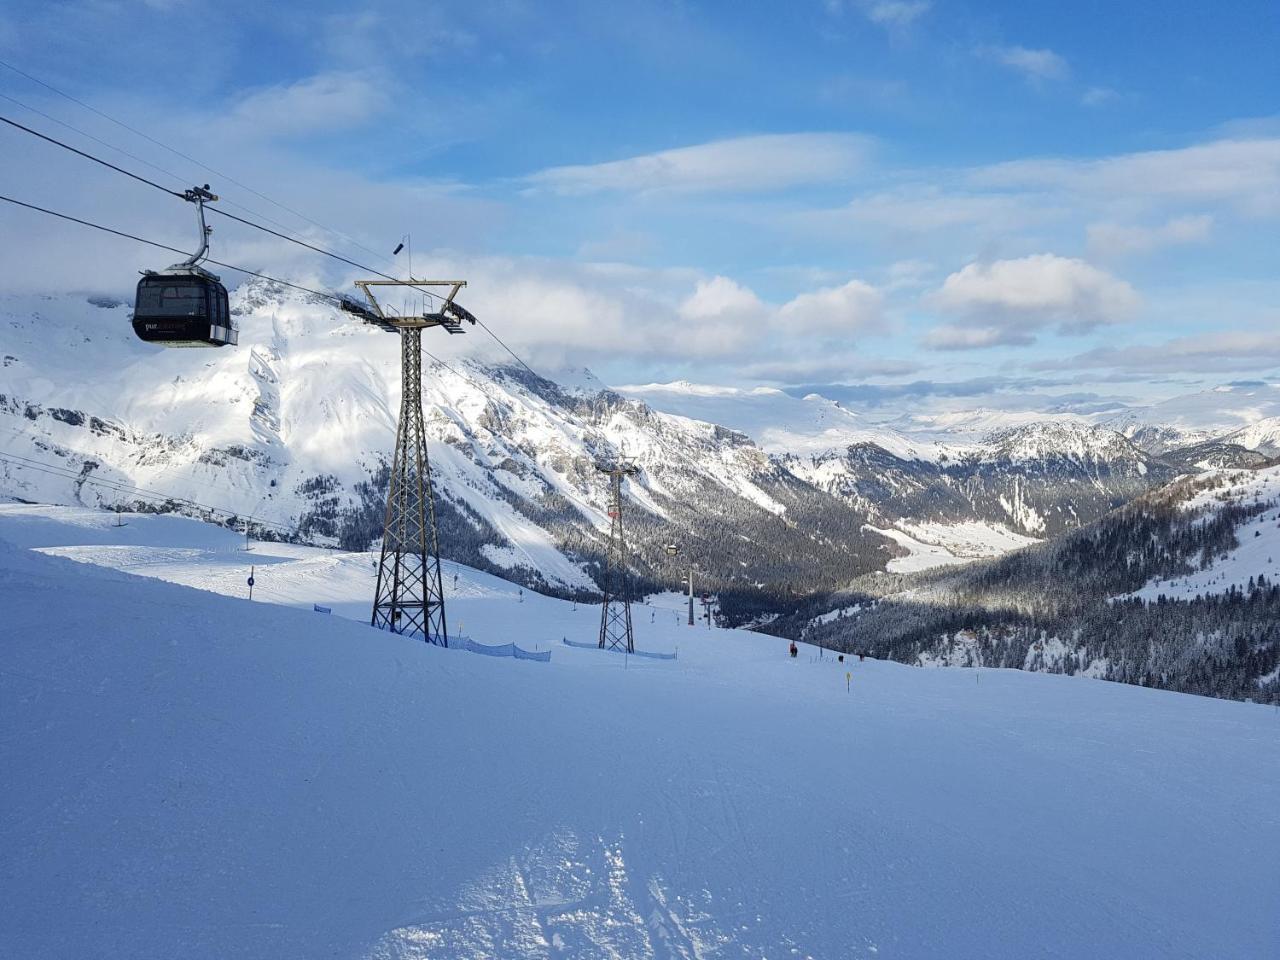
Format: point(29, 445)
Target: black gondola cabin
point(183, 306)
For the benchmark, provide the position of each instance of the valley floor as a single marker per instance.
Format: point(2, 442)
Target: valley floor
point(194, 775)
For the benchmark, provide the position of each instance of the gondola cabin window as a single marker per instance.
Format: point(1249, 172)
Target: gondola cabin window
point(173, 299)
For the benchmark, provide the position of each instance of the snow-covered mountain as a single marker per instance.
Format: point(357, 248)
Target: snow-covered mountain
point(930, 479)
point(291, 432)
point(1036, 480)
point(294, 427)
point(1224, 413)
point(780, 423)
point(1244, 416)
point(1261, 435)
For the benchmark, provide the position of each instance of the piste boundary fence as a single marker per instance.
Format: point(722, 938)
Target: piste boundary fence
point(635, 653)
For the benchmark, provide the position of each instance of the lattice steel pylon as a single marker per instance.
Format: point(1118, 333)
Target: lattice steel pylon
point(615, 614)
point(409, 597)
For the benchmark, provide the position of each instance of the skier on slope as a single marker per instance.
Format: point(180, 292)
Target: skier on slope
point(794, 649)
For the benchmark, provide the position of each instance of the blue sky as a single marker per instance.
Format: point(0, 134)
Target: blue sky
point(975, 200)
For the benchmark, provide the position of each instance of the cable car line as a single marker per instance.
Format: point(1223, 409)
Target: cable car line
point(509, 350)
point(164, 246)
point(90, 156)
point(185, 196)
point(175, 193)
point(303, 243)
point(96, 226)
point(90, 136)
point(135, 157)
point(257, 226)
point(290, 533)
point(334, 298)
point(190, 159)
point(117, 486)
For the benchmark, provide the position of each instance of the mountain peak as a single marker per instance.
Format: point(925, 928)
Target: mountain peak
point(1052, 439)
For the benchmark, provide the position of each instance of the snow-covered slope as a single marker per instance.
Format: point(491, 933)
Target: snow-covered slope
point(189, 775)
point(1261, 435)
point(1256, 552)
point(931, 545)
point(1178, 588)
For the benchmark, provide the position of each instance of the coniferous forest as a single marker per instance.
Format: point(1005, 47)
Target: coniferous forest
point(1069, 605)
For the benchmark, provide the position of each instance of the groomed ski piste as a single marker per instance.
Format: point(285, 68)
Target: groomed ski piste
point(189, 774)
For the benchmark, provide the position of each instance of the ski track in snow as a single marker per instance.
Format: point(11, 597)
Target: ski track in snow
point(191, 775)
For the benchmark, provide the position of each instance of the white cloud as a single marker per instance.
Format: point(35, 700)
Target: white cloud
point(1247, 171)
point(555, 314)
point(326, 101)
point(1113, 240)
point(908, 274)
point(1169, 191)
point(722, 298)
point(1008, 301)
point(950, 336)
point(829, 366)
point(896, 13)
point(854, 307)
point(1221, 352)
point(1041, 283)
point(927, 208)
point(1037, 65)
point(892, 14)
point(1097, 96)
point(768, 162)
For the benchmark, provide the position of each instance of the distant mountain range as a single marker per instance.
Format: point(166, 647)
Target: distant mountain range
point(1247, 416)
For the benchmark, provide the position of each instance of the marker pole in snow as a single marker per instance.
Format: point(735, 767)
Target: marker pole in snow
point(250, 583)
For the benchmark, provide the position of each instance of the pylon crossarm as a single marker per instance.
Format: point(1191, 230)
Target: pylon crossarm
point(449, 315)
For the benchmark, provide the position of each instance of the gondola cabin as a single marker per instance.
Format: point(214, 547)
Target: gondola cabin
point(183, 306)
